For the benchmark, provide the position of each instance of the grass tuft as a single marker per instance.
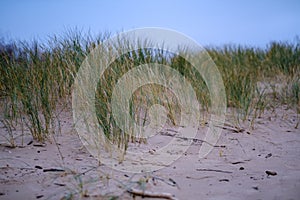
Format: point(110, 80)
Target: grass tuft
point(36, 81)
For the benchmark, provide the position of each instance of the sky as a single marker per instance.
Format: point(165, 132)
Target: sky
point(213, 22)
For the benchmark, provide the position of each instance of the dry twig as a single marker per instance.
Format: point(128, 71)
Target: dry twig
point(144, 193)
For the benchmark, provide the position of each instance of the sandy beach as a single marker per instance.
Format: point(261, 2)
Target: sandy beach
point(258, 163)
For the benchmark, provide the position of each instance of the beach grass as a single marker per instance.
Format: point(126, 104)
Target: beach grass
point(36, 82)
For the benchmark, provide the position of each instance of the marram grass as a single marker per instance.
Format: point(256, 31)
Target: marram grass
point(36, 80)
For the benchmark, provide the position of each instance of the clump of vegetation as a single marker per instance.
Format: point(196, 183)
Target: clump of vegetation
point(36, 81)
point(248, 74)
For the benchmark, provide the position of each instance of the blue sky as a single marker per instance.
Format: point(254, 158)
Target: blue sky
point(254, 23)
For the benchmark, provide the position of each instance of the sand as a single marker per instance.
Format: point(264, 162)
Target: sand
point(258, 163)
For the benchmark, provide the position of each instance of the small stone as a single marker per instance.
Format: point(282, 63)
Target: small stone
point(39, 196)
point(269, 155)
point(151, 152)
point(255, 188)
point(271, 173)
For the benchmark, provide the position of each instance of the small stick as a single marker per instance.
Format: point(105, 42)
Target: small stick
point(193, 139)
point(232, 128)
point(143, 193)
point(214, 170)
point(53, 170)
